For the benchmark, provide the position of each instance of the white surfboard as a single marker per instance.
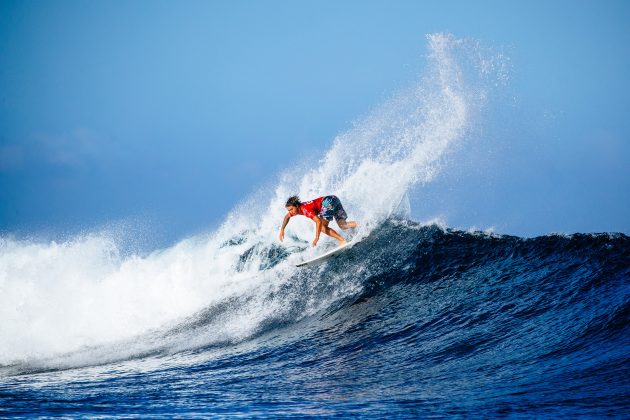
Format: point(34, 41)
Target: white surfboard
point(332, 253)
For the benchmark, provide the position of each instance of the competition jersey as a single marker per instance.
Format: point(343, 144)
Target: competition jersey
point(311, 208)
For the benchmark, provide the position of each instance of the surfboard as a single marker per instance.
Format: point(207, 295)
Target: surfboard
point(330, 254)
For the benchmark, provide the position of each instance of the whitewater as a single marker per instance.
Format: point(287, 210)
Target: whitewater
point(415, 320)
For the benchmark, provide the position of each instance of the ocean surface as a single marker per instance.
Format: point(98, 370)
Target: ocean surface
point(415, 320)
point(439, 323)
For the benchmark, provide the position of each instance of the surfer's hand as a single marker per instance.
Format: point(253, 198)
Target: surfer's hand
point(281, 235)
point(315, 241)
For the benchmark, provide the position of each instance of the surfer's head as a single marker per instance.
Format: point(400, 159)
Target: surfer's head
point(293, 205)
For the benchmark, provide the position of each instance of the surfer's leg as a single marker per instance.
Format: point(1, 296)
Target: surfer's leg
point(340, 215)
point(331, 232)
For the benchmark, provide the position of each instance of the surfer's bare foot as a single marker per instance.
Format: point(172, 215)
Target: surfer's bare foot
point(343, 242)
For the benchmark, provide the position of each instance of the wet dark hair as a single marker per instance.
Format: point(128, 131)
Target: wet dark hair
point(294, 200)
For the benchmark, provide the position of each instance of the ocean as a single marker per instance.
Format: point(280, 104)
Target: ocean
point(413, 321)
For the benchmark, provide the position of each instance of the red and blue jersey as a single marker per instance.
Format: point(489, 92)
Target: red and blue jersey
point(311, 208)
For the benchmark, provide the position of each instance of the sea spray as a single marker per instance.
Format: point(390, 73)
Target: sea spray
point(81, 302)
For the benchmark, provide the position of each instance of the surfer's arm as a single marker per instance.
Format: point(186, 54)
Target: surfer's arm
point(318, 228)
point(287, 217)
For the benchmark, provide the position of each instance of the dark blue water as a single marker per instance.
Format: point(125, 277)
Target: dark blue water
point(445, 324)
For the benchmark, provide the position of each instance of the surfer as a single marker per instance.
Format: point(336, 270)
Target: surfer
point(321, 210)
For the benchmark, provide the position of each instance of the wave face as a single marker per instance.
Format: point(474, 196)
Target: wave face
point(414, 320)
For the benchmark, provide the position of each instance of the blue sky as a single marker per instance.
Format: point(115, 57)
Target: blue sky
point(172, 112)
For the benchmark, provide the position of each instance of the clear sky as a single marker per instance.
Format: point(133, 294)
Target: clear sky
point(170, 113)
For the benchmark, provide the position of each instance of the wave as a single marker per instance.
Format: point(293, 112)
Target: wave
point(481, 290)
